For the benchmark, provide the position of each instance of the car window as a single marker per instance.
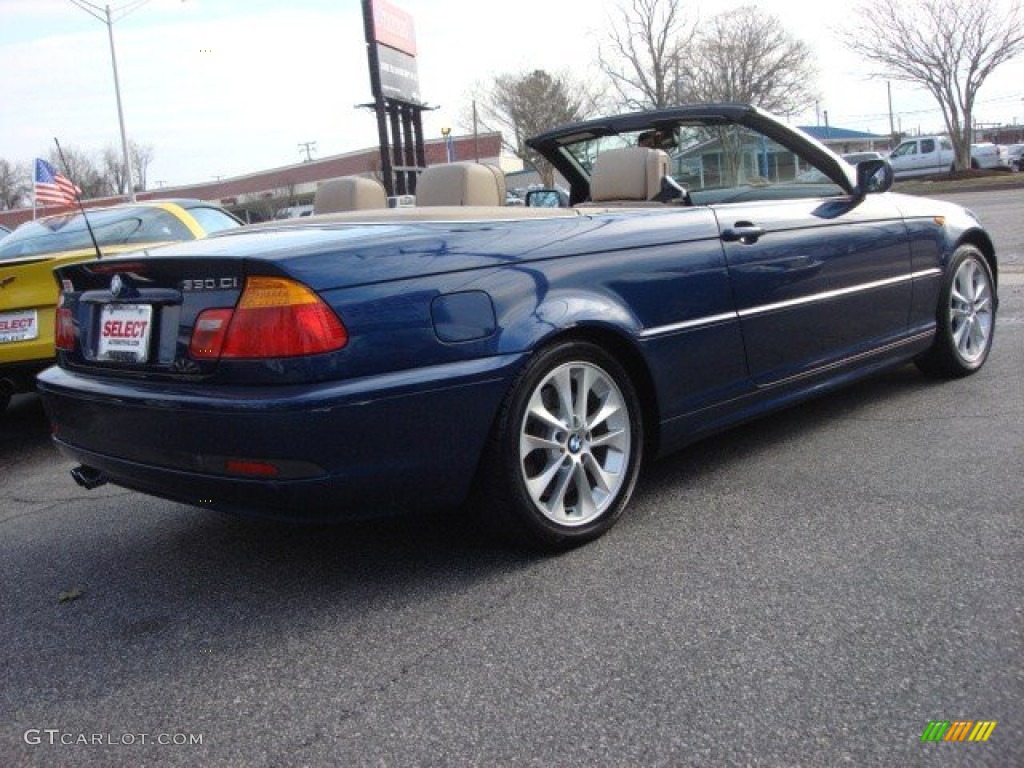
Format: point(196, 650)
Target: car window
point(213, 219)
point(927, 145)
point(113, 226)
point(721, 163)
point(910, 148)
point(946, 144)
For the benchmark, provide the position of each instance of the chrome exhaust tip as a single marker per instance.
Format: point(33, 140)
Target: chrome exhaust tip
point(88, 477)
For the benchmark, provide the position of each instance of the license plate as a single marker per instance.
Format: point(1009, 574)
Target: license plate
point(19, 326)
point(124, 332)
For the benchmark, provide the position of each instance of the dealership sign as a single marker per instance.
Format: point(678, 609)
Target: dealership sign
point(393, 27)
point(395, 40)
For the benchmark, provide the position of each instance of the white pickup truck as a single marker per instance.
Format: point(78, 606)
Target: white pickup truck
point(935, 154)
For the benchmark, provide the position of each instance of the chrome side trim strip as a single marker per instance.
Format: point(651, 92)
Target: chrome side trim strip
point(689, 324)
point(725, 317)
point(825, 295)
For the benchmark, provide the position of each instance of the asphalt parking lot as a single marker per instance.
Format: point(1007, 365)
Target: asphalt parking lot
point(811, 589)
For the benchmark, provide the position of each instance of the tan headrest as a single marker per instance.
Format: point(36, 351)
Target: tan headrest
point(461, 184)
point(630, 173)
point(349, 193)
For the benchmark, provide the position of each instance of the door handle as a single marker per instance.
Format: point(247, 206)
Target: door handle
point(743, 232)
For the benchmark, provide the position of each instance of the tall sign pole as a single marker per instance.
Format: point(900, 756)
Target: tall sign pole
point(379, 105)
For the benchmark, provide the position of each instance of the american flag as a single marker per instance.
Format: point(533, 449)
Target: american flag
point(52, 187)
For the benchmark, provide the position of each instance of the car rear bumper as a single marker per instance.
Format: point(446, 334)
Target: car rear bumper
point(362, 448)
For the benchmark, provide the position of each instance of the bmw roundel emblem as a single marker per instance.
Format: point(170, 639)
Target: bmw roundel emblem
point(117, 285)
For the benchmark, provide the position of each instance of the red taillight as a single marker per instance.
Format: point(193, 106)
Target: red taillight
point(65, 331)
point(275, 317)
point(250, 468)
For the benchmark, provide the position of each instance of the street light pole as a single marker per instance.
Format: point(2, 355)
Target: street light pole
point(104, 15)
point(126, 156)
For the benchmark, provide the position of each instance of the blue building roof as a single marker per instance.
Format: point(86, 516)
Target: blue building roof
point(832, 133)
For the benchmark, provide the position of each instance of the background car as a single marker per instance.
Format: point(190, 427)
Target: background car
point(28, 255)
point(1015, 153)
point(521, 361)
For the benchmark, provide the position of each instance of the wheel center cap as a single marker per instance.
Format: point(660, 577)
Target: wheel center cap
point(575, 443)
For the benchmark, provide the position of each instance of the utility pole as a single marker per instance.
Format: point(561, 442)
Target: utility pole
point(105, 15)
point(307, 147)
point(892, 127)
point(476, 135)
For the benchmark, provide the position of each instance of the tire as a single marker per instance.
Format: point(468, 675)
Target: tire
point(559, 473)
point(965, 317)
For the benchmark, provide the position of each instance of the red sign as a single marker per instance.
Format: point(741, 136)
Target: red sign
point(393, 27)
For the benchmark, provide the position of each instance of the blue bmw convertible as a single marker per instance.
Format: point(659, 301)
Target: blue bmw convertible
point(520, 360)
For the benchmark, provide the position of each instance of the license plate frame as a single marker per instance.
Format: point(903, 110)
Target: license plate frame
point(121, 339)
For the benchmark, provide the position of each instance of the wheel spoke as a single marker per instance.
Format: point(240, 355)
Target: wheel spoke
point(977, 336)
point(540, 412)
point(539, 483)
point(556, 504)
point(608, 409)
point(616, 438)
point(584, 380)
point(605, 480)
point(586, 505)
point(529, 443)
point(562, 382)
point(960, 334)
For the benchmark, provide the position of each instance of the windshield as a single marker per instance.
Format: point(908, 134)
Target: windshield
point(114, 226)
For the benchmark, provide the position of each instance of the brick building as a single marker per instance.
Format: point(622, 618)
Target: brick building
point(259, 195)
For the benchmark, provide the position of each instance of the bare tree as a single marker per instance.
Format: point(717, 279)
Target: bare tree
point(112, 168)
point(112, 165)
point(746, 55)
point(522, 105)
point(142, 156)
point(14, 183)
point(948, 46)
point(642, 54)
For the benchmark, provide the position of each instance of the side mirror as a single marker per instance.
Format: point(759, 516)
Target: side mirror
point(547, 198)
point(873, 176)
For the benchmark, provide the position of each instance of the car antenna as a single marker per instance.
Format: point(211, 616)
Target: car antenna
point(78, 199)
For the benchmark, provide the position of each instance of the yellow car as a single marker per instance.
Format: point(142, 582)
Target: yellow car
point(28, 255)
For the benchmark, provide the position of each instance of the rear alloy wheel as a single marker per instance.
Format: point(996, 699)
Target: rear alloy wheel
point(567, 448)
point(966, 317)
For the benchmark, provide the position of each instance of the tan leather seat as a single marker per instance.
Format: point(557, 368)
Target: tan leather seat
point(461, 184)
point(630, 173)
point(349, 193)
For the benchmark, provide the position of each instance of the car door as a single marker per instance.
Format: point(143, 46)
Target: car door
point(818, 277)
point(905, 158)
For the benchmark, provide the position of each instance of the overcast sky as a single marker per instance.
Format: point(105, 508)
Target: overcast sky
point(226, 87)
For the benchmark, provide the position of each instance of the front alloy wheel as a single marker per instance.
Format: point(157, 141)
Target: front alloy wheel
point(966, 317)
point(970, 311)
